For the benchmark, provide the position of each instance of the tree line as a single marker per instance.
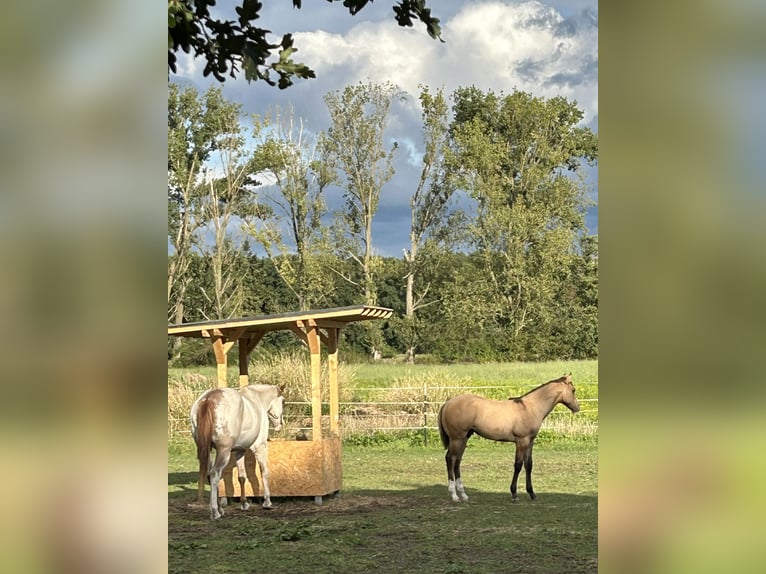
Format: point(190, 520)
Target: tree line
point(499, 265)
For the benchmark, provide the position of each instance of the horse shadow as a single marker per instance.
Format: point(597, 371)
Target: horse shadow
point(184, 486)
point(181, 484)
point(438, 492)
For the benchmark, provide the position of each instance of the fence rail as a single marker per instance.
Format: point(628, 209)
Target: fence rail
point(409, 414)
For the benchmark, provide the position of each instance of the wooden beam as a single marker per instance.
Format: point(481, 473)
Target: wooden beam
point(253, 341)
point(330, 318)
point(220, 359)
point(244, 377)
point(246, 346)
point(330, 324)
point(233, 334)
point(332, 368)
point(312, 336)
point(300, 333)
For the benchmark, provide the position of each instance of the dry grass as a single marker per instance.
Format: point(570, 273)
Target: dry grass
point(405, 399)
point(182, 392)
point(292, 372)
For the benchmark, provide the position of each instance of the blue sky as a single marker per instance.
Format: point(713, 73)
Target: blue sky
point(546, 48)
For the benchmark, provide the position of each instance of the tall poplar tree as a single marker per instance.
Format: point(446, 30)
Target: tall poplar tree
point(354, 144)
point(195, 131)
point(230, 202)
point(428, 206)
point(293, 237)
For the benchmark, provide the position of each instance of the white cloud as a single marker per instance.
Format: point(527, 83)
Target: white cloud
point(493, 45)
point(187, 65)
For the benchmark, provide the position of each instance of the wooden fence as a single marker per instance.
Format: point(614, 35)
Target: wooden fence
point(404, 409)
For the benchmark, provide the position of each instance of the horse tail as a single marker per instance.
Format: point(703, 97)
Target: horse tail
point(442, 432)
point(204, 438)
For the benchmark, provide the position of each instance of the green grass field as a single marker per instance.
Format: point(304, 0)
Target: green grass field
point(394, 514)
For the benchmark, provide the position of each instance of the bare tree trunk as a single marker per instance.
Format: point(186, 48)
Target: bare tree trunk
point(179, 318)
point(409, 299)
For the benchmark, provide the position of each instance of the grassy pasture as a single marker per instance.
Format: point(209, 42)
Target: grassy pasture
point(394, 513)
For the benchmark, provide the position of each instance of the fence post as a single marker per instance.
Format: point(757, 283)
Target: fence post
point(425, 413)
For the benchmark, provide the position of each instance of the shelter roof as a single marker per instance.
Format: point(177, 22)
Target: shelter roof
point(238, 328)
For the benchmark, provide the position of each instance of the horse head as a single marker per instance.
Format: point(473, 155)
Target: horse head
point(275, 410)
point(568, 394)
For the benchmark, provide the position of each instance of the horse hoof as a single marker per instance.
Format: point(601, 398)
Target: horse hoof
point(245, 506)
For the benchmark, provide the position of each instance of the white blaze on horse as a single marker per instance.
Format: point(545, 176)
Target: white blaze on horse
point(233, 421)
point(517, 419)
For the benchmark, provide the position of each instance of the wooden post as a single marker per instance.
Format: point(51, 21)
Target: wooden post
point(312, 336)
point(332, 368)
point(220, 359)
point(246, 347)
point(243, 358)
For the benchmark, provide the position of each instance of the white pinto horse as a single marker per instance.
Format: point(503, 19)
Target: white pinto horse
point(233, 421)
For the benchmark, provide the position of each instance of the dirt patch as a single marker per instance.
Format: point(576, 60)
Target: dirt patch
point(351, 504)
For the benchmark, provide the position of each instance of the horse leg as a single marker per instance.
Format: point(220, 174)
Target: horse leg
point(221, 460)
point(521, 449)
point(458, 480)
point(450, 474)
point(453, 456)
point(262, 456)
point(241, 476)
point(528, 469)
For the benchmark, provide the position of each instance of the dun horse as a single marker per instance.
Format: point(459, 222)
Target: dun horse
point(232, 421)
point(517, 419)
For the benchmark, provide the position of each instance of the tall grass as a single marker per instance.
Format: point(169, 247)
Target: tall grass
point(384, 401)
point(517, 375)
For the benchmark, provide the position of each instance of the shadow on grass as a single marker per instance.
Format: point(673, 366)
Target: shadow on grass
point(405, 528)
point(184, 479)
point(185, 490)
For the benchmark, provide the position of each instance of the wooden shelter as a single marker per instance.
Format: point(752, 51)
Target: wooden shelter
point(297, 468)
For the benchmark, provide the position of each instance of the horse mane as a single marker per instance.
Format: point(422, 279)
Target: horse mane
point(519, 399)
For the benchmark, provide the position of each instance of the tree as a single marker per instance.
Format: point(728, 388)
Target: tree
point(520, 158)
point(354, 144)
point(194, 131)
point(229, 201)
point(578, 303)
point(230, 46)
point(428, 205)
point(294, 238)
